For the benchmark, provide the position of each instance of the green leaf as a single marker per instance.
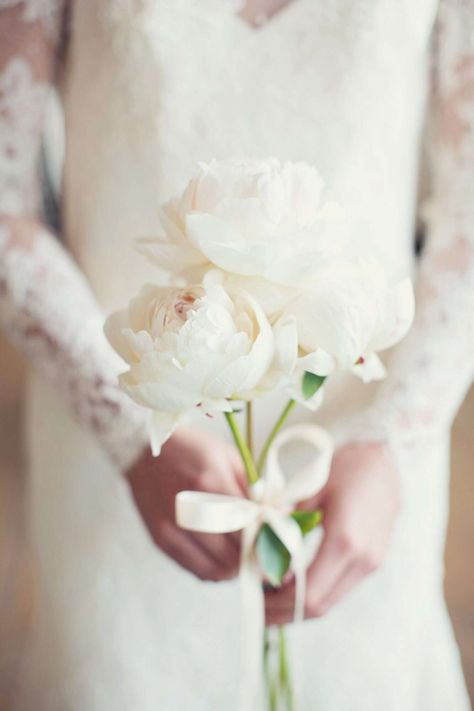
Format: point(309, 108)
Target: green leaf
point(307, 520)
point(311, 384)
point(272, 555)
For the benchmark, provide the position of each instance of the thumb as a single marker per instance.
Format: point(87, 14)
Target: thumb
point(313, 502)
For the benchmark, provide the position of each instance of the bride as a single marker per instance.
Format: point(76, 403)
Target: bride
point(131, 611)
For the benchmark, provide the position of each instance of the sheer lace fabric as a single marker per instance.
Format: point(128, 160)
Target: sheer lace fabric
point(48, 310)
point(47, 12)
point(431, 370)
point(21, 102)
point(46, 304)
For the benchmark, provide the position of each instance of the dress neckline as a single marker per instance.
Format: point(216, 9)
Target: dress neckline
point(230, 9)
point(260, 20)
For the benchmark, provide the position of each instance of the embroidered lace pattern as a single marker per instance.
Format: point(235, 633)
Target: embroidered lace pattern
point(47, 12)
point(46, 304)
point(431, 370)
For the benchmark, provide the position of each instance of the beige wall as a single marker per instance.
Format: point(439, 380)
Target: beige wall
point(15, 587)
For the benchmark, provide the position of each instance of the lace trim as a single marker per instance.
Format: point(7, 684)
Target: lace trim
point(21, 103)
point(46, 305)
point(431, 370)
point(48, 311)
point(48, 12)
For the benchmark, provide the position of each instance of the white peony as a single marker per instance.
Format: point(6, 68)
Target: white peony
point(266, 223)
point(262, 293)
point(348, 314)
point(196, 346)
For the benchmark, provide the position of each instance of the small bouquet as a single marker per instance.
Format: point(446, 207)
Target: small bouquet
point(255, 292)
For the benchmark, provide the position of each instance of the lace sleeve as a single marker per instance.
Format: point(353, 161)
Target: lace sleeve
point(46, 305)
point(430, 371)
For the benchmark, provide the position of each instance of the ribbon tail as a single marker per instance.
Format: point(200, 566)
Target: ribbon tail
point(253, 623)
point(299, 568)
point(290, 535)
point(218, 513)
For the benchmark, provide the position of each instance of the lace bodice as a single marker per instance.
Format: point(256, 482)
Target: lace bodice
point(48, 309)
point(433, 367)
point(46, 304)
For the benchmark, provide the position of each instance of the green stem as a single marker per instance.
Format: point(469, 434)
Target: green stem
point(252, 474)
point(249, 426)
point(271, 686)
point(285, 680)
point(279, 423)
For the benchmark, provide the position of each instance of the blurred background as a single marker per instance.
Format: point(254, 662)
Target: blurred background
point(16, 590)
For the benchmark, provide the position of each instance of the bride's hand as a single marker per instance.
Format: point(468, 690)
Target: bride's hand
point(360, 502)
point(198, 461)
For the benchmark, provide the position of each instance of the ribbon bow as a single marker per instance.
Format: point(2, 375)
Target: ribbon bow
point(271, 500)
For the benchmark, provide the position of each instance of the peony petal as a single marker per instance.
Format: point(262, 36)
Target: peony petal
point(286, 344)
point(161, 426)
point(319, 362)
point(272, 297)
point(247, 217)
point(216, 405)
point(337, 314)
point(172, 221)
point(245, 373)
point(166, 396)
point(282, 367)
point(114, 327)
point(225, 247)
point(313, 403)
point(297, 269)
point(371, 369)
point(399, 316)
point(170, 258)
point(138, 343)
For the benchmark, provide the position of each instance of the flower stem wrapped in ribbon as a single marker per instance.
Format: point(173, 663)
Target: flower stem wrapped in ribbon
point(271, 500)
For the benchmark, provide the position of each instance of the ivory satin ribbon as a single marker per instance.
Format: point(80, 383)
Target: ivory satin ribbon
point(272, 498)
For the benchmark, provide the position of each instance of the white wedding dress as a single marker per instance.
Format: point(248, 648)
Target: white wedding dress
point(149, 87)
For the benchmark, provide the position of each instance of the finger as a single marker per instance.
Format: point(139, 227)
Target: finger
point(236, 486)
point(321, 575)
point(328, 565)
point(189, 554)
point(351, 576)
point(281, 611)
point(273, 617)
point(235, 537)
point(220, 546)
point(280, 601)
point(229, 487)
point(313, 503)
point(214, 543)
point(241, 478)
